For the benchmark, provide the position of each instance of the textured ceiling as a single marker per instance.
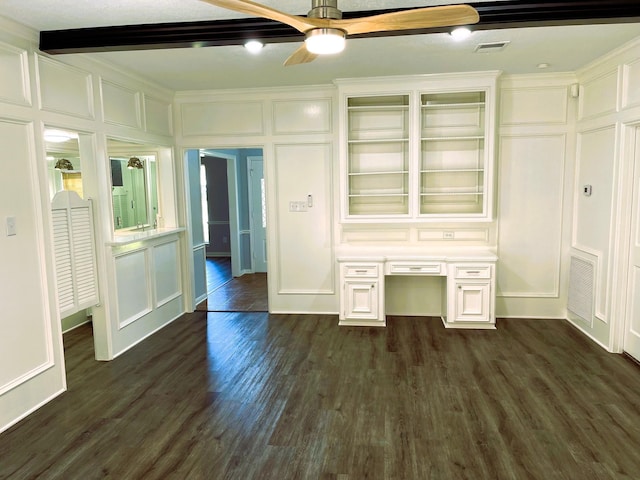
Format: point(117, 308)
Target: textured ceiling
point(564, 48)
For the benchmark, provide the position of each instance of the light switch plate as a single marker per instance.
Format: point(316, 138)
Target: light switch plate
point(11, 226)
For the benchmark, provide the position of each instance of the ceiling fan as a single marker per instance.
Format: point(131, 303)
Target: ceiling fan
point(325, 30)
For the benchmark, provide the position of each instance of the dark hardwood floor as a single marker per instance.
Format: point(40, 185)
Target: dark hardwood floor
point(247, 293)
point(259, 396)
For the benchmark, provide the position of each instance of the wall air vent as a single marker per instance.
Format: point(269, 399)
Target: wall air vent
point(581, 278)
point(491, 47)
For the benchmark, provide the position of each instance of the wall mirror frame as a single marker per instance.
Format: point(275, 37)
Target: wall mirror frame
point(134, 186)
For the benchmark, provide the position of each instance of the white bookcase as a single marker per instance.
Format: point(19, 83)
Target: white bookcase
point(418, 148)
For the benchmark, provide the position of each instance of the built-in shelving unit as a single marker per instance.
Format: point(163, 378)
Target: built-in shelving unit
point(378, 151)
point(452, 161)
point(418, 150)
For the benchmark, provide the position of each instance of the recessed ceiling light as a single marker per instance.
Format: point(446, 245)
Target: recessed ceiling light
point(254, 46)
point(460, 33)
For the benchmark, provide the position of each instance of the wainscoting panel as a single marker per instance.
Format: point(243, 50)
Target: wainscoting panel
point(302, 116)
point(592, 228)
point(305, 238)
point(166, 269)
point(14, 81)
point(26, 318)
point(121, 105)
point(531, 181)
point(526, 106)
point(631, 80)
point(157, 114)
point(64, 89)
point(236, 119)
point(599, 95)
point(133, 289)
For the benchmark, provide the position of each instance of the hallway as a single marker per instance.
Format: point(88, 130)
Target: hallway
point(247, 293)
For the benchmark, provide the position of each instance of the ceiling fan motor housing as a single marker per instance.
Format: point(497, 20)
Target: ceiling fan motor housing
point(325, 9)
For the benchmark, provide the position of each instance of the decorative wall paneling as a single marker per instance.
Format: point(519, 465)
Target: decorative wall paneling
point(530, 234)
point(158, 115)
point(535, 158)
point(295, 129)
point(601, 223)
point(16, 87)
point(291, 117)
point(31, 371)
point(147, 281)
point(120, 105)
point(65, 89)
point(594, 215)
point(235, 119)
point(300, 171)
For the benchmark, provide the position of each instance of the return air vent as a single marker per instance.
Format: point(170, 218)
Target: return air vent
point(581, 289)
point(491, 47)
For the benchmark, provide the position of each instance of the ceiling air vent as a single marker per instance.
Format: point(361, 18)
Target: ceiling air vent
point(491, 47)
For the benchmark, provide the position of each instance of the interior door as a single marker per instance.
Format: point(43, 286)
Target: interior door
point(632, 334)
point(258, 214)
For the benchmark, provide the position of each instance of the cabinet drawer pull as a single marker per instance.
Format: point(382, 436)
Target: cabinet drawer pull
point(415, 269)
point(361, 271)
point(473, 272)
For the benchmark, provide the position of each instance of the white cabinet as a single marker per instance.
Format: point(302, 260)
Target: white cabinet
point(470, 297)
point(468, 280)
point(362, 302)
point(418, 148)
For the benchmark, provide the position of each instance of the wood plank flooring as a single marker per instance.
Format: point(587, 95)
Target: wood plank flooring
point(247, 293)
point(259, 396)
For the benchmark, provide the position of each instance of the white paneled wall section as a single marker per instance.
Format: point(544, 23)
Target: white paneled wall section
point(98, 102)
point(295, 127)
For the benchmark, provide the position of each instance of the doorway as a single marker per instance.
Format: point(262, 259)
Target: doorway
point(232, 192)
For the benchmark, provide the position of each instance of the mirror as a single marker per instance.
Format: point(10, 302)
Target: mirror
point(63, 161)
point(134, 187)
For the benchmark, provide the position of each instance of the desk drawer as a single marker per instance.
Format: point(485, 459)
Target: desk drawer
point(478, 271)
point(415, 268)
point(369, 271)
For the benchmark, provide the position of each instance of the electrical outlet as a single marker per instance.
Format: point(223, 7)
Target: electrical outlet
point(298, 206)
point(448, 235)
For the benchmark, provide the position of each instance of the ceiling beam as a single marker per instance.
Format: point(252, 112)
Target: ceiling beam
point(493, 15)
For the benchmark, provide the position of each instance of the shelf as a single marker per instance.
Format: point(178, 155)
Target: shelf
point(370, 195)
point(454, 170)
point(452, 137)
point(374, 108)
point(355, 174)
point(378, 140)
point(452, 105)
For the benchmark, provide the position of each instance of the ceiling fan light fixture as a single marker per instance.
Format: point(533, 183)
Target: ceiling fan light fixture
point(254, 46)
point(460, 33)
point(325, 41)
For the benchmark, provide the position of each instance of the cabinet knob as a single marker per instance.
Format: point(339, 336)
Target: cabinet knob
point(459, 287)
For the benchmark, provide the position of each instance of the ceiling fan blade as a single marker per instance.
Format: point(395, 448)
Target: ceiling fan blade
point(301, 55)
point(257, 10)
point(416, 18)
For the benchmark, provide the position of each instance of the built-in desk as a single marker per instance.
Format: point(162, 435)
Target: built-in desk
point(468, 299)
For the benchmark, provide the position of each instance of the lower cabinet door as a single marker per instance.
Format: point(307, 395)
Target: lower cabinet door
point(362, 300)
point(472, 302)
